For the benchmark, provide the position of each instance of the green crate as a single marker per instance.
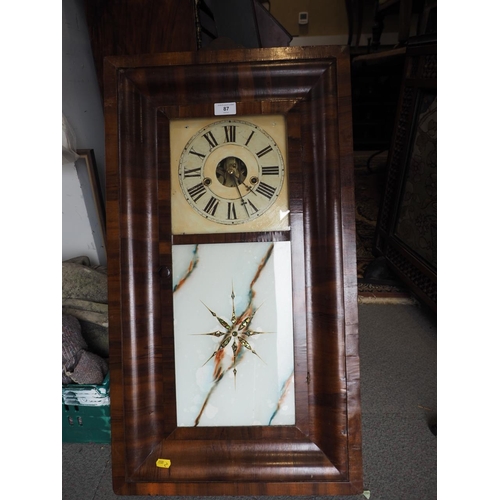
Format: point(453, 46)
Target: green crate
point(85, 413)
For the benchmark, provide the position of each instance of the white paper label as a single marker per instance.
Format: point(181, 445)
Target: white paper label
point(225, 108)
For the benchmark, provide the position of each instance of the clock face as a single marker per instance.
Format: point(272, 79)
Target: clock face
point(231, 173)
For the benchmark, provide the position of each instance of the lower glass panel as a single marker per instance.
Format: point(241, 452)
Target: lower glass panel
point(233, 333)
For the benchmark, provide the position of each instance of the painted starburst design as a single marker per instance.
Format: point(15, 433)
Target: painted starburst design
point(235, 334)
point(239, 331)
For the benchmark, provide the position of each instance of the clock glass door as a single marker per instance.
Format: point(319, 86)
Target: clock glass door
point(233, 334)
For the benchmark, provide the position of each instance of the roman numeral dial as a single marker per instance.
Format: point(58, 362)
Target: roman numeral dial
point(231, 172)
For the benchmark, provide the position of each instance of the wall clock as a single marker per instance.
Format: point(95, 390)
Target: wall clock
point(232, 278)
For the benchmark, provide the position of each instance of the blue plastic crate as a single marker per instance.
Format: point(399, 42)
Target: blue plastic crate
point(86, 414)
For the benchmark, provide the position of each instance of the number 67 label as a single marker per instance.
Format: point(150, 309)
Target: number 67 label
point(225, 108)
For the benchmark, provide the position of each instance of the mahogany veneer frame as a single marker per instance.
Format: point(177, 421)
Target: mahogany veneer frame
point(321, 453)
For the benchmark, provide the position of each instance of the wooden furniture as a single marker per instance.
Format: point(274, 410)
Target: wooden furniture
point(376, 81)
point(425, 10)
point(151, 455)
point(130, 27)
point(384, 7)
point(118, 27)
point(247, 23)
point(407, 221)
point(354, 10)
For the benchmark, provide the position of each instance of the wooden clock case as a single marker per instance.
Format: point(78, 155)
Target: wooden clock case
point(321, 453)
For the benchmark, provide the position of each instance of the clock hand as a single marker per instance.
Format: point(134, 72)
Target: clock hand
point(234, 171)
point(243, 202)
point(249, 188)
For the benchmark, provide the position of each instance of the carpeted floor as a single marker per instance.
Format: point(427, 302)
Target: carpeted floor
point(398, 345)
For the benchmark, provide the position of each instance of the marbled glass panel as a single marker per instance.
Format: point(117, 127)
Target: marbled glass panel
point(233, 333)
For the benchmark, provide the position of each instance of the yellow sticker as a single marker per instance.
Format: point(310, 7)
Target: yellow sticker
point(163, 462)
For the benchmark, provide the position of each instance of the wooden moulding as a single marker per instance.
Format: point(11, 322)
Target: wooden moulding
point(321, 453)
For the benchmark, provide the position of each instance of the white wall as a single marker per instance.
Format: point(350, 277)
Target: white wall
point(78, 236)
point(82, 107)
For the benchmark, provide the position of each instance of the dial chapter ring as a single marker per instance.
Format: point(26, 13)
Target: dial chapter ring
point(252, 168)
